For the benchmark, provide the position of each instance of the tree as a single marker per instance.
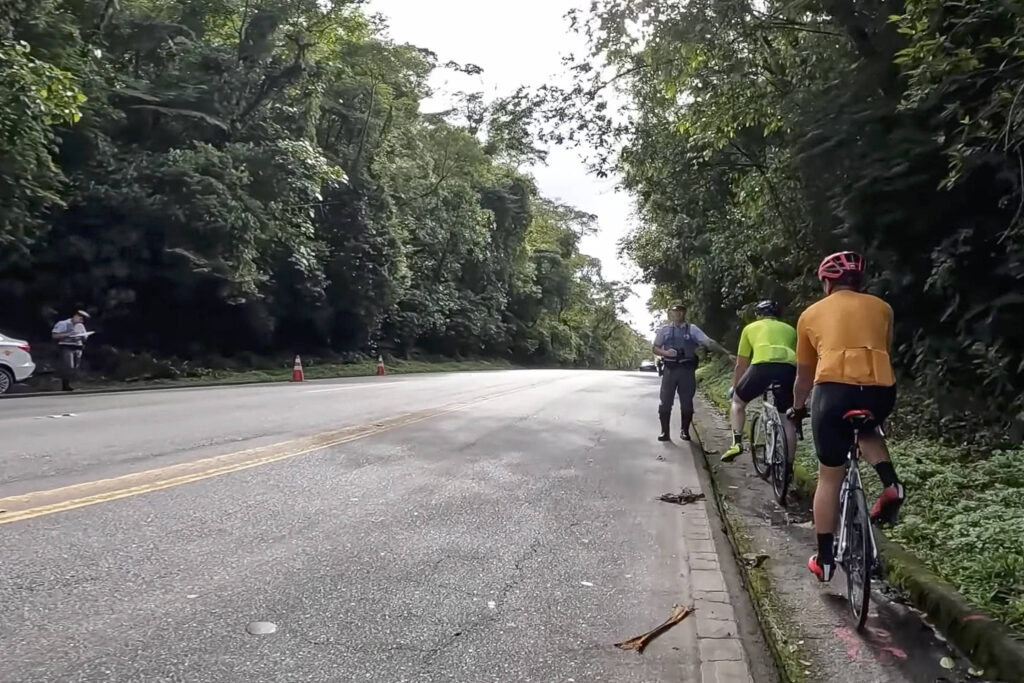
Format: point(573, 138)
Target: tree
point(222, 176)
point(758, 137)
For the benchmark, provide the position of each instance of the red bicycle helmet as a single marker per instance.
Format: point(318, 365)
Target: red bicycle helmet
point(834, 265)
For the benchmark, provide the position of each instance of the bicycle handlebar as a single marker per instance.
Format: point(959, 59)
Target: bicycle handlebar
point(798, 415)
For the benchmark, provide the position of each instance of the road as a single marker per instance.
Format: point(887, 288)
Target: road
point(472, 527)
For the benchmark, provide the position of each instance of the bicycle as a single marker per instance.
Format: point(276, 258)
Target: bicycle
point(770, 452)
point(855, 549)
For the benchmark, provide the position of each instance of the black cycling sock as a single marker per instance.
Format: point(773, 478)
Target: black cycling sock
point(887, 474)
point(737, 437)
point(826, 548)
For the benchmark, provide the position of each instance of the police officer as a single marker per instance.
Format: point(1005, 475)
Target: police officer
point(676, 343)
point(70, 336)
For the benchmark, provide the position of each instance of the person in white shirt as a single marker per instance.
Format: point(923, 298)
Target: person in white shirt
point(70, 336)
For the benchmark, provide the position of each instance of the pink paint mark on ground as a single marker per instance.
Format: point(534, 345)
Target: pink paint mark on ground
point(877, 639)
point(851, 640)
point(882, 640)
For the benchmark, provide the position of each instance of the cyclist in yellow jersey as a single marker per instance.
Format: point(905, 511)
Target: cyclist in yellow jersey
point(843, 345)
point(766, 358)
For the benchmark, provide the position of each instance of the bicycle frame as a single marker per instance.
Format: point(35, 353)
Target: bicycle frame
point(770, 415)
point(852, 483)
point(768, 399)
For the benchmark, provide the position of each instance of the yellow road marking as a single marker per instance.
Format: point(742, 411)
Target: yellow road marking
point(38, 503)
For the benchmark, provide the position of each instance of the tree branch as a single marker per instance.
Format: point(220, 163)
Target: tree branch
point(269, 86)
point(241, 26)
point(803, 28)
point(443, 174)
point(366, 128)
point(763, 172)
point(629, 72)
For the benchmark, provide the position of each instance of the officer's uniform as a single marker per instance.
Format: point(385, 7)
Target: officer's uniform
point(70, 348)
point(680, 372)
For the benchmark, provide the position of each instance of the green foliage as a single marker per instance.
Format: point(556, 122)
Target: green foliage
point(966, 521)
point(229, 177)
point(760, 137)
point(35, 97)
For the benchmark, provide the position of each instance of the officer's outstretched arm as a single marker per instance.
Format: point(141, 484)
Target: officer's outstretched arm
point(715, 346)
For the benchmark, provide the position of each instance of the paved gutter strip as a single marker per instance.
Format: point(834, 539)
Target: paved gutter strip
point(756, 580)
point(991, 645)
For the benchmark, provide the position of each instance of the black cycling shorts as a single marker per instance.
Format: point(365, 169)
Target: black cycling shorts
point(833, 435)
point(756, 380)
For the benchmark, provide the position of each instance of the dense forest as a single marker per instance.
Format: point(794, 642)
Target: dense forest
point(759, 136)
point(212, 177)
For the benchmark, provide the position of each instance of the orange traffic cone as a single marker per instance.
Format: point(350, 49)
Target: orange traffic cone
point(297, 375)
point(380, 366)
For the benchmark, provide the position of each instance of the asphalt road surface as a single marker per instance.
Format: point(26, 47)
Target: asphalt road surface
point(472, 527)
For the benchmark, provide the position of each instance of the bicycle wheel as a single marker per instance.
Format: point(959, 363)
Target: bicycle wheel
point(857, 563)
point(757, 445)
point(780, 465)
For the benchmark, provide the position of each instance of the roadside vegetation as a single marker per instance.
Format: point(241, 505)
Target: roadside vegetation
point(758, 137)
point(233, 177)
point(152, 373)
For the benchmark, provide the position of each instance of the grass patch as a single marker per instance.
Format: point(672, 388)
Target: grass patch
point(964, 518)
point(782, 636)
point(311, 370)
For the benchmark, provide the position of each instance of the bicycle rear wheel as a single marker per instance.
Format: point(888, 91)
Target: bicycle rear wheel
point(758, 441)
point(857, 563)
point(780, 465)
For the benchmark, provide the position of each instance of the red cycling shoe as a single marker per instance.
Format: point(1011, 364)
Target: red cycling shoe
point(887, 507)
point(823, 572)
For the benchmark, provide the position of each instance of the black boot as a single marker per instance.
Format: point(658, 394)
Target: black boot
point(665, 417)
point(684, 433)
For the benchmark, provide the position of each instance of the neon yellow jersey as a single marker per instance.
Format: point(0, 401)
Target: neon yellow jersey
point(768, 341)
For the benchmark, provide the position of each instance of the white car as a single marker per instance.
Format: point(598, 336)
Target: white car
point(15, 362)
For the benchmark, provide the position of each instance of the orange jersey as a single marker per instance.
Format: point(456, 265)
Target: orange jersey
point(848, 335)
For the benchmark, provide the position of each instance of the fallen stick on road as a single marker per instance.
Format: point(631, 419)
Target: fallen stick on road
point(641, 642)
point(684, 497)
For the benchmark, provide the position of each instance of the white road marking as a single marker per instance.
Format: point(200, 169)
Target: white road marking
point(346, 388)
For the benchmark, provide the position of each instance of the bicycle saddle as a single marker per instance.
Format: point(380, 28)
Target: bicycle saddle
point(859, 417)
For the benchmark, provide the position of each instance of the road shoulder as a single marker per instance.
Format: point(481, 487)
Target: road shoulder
point(808, 626)
point(720, 614)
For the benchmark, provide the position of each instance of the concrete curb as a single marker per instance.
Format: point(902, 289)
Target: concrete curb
point(150, 387)
point(227, 383)
point(988, 643)
point(777, 642)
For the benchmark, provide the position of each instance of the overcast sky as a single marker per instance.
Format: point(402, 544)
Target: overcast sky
point(517, 44)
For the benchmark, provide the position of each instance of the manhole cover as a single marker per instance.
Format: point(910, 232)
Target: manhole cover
point(261, 628)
